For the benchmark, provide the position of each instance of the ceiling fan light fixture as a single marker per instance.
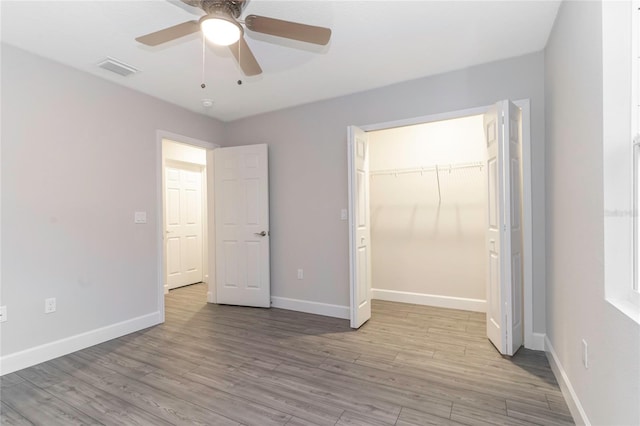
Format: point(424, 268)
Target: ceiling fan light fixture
point(221, 29)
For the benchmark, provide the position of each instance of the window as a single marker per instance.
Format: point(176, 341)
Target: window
point(621, 154)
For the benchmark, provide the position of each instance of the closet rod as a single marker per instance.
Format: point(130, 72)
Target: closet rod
point(439, 168)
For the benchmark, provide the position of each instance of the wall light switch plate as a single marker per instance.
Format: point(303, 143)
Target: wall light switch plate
point(3, 313)
point(343, 214)
point(140, 217)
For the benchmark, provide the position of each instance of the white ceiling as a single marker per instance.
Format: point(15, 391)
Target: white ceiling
point(374, 44)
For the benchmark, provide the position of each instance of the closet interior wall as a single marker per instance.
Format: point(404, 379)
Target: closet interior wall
point(428, 202)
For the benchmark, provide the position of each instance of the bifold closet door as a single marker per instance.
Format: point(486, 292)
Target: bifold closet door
point(360, 227)
point(502, 125)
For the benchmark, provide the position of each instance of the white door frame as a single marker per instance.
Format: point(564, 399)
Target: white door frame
point(206, 258)
point(529, 338)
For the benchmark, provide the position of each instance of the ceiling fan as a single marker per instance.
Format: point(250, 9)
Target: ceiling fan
point(221, 25)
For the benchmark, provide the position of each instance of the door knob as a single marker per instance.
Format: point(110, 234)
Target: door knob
point(261, 234)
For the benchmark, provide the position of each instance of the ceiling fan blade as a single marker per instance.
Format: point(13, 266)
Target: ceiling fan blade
point(288, 29)
point(245, 58)
point(168, 34)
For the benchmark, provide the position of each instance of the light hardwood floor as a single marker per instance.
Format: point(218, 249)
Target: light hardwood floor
point(225, 365)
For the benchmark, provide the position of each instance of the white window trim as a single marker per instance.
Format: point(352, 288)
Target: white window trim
point(618, 19)
point(635, 134)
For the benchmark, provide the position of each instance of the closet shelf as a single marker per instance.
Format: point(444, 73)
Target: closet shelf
point(437, 168)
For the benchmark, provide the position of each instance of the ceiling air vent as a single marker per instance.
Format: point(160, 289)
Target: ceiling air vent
point(118, 67)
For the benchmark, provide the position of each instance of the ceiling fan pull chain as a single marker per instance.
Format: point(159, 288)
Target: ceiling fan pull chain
point(203, 85)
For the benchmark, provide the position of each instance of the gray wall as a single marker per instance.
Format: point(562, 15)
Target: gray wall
point(78, 158)
point(308, 168)
point(576, 309)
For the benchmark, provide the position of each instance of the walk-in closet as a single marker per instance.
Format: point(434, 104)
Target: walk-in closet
point(428, 197)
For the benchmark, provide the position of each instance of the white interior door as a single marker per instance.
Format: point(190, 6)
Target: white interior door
point(504, 227)
point(241, 203)
point(360, 231)
point(183, 219)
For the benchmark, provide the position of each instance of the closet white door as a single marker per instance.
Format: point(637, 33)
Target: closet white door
point(360, 231)
point(241, 204)
point(503, 134)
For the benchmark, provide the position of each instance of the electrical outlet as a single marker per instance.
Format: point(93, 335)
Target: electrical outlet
point(140, 217)
point(49, 305)
point(585, 354)
point(3, 313)
point(300, 274)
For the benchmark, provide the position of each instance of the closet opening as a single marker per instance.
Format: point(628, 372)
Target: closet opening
point(427, 186)
point(440, 215)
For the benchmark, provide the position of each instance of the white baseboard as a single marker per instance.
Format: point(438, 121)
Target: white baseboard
point(325, 309)
point(166, 289)
point(578, 413)
point(537, 342)
point(23, 359)
point(210, 298)
point(462, 303)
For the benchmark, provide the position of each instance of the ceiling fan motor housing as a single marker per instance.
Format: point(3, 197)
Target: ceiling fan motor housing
point(233, 8)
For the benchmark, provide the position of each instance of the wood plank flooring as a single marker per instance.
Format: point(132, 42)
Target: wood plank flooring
point(224, 365)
